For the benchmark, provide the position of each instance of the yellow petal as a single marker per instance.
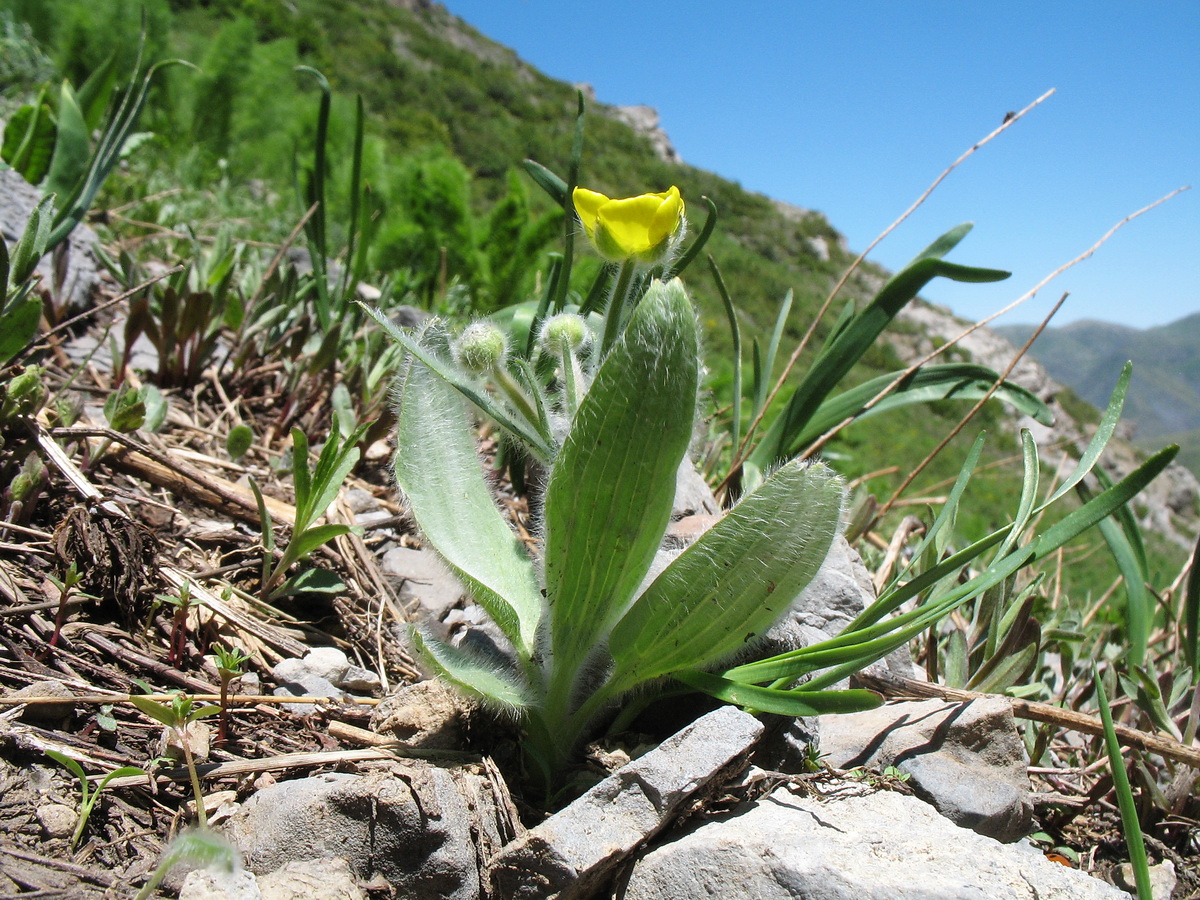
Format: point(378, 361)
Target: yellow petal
point(666, 217)
point(628, 222)
point(587, 205)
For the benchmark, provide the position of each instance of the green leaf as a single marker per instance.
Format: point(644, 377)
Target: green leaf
point(784, 703)
point(304, 543)
point(72, 764)
point(734, 582)
point(72, 146)
point(526, 431)
point(840, 354)
point(611, 489)
point(238, 441)
point(18, 326)
point(438, 469)
point(1104, 432)
point(33, 243)
point(1008, 670)
point(311, 581)
point(162, 714)
point(1189, 619)
point(29, 141)
point(693, 249)
point(487, 680)
point(1134, 841)
point(951, 381)
point(547, 181)
point(156, 406)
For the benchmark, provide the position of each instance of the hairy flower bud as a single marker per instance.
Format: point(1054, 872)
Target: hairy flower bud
point(565, 331)
point(480, 348)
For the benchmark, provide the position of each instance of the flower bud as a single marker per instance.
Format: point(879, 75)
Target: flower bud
point(480, 348)
point(563, 332)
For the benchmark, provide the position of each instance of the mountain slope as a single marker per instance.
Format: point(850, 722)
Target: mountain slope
point(1164, 395)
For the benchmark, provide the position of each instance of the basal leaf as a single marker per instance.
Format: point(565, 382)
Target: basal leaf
point(736, 580)
point(610, 492)
point(439, 471)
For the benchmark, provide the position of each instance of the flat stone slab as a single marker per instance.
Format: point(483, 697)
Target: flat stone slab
point(855, 846)
point(570, 854)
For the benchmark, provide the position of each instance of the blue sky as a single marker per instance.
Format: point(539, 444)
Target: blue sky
point(854, 108)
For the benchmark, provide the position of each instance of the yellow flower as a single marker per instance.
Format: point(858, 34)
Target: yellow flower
point(642, 228)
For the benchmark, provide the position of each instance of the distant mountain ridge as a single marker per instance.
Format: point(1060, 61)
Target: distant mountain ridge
point(1164, 394)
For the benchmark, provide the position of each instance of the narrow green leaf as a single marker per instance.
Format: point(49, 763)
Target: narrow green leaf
point(735, 335)
point(304, 543)
point(1103, 505)
point(1134, 841)
point(1029, 487)
point(547, 181)
point(1189, 619)
point(610, 491)
point(302, 482)
point(951, 381)
point(34, 241)
point(784, 703)
point(1139, 602)
point(1104, 432)
point(72, 145)
point(438, 469)
point(841, 354)
point(72, 764)
point(1006, 672)
point(736, 580)
point(310, 581)
point(693, 250)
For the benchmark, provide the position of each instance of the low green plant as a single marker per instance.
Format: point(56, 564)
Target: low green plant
point(88, 796)
point(181, 607)
point(177, 716)
point(67, 587)
point(230, 663)
point(315, 489)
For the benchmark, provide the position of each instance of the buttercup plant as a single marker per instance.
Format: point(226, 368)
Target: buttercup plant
point(584, 632)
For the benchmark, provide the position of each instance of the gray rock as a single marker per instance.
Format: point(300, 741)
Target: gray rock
point(1162, 879)
point(692, 493)
point(334, 666)
point(967, 759)
point(854, 846)
point(838, 593)
point(294, 679)
point(312, 879)
point(425, 579)
point(423, 828)
point(570, 854)
point(57, 819)
point(44, 713)
point(205, 884)
point(82, 278)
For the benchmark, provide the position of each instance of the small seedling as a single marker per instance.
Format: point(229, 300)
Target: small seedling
point(177, 716)
point(230, 663)
point(88, 795)
point(315, 490)
point(66, 589)
point(183, 605)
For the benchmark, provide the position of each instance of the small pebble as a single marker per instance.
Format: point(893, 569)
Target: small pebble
point(57, 820)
